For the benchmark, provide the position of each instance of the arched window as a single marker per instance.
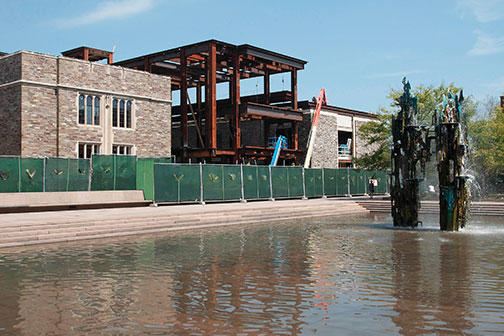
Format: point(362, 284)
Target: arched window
point(97, 111)
point(121, 113)
point(82, 110)
point(128, 114)
point(89, 110)
point(114, 113)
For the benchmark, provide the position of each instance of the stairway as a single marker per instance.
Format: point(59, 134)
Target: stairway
point(429, 207)
point(65, 226)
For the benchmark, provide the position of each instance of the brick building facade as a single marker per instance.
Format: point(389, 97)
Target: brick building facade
point(66, 107)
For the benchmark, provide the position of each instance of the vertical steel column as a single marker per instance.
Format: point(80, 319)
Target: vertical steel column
point(183, 103)
point(267, 87)
point(210, 98)
point(294, 106)
point(198, 101)
point(236, 104)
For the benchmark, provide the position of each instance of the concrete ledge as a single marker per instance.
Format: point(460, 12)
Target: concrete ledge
point(25, 202)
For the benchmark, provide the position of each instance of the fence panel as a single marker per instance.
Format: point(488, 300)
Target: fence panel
point(295, 179)
point(9, 174)
point(313, 182)
point(213, 182)
point(66, 174)
point(330, 181)
point(125, 172)
point(341, 182)
point(280, 182)
point(103, 177)
point(232, 182)
point(251, 182)
point(177, 183)
point(357, 182)
point(32, 175)
point(145, 177)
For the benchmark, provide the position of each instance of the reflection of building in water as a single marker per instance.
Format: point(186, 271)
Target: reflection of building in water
point(430, 289)
point(250, 285)
point(92, 295)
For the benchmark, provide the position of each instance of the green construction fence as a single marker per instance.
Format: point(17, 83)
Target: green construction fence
point(166, 182)
point(179, 183)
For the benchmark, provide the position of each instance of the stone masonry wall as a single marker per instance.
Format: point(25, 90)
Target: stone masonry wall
point(361, 146)
point(10, 120)
point(325, 150)
point(38, 121)
point(10, 105)
point(39, 94)
point(10, 68)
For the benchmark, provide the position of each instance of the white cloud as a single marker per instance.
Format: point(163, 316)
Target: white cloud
point(108, 10)
point(497, 84)
point(394, 74)
point(486, 45)
point(484, 10)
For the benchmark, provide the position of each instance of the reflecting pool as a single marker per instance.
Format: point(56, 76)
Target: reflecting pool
point(331, 276)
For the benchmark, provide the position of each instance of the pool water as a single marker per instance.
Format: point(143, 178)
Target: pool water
point(330, 276)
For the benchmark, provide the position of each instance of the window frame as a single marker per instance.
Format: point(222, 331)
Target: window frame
point(123, 149)
point(88, 149)
point(126, 107)
point(83, 113)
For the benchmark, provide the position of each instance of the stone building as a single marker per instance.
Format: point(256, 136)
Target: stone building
point(338, 140)
point(68, 107)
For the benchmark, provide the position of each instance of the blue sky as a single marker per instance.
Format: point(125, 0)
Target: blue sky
point(357, 50)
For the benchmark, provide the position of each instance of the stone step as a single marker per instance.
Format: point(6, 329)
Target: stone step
point(46, 229)
point(125, 230)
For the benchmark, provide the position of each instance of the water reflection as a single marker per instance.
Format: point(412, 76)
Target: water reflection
point(324, 277)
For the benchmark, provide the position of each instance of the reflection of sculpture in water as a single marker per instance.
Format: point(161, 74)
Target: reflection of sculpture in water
point(411, 150)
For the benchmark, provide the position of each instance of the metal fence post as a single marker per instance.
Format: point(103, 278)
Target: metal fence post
point(271, 184)
point(90, 172)
point(348, 182)
point(366, 181)
point(323, 183)
point(304, 184)
point(68, 174)
point(19, 173)
point(201, 183)
point(243, 200)
point(114, 169)
point(43, 174)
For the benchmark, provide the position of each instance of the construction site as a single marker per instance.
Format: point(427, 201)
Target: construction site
point(126, 107)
